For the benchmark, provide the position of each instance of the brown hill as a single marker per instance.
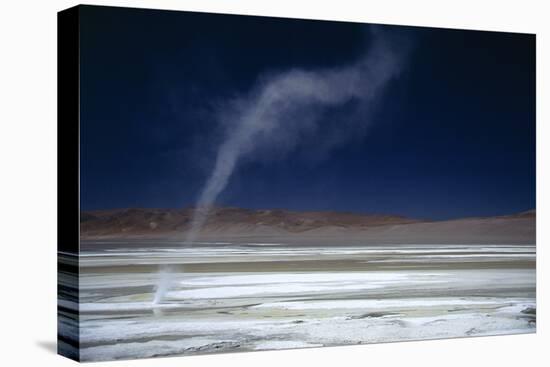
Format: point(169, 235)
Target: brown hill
point(320, 227)
point(155, 222)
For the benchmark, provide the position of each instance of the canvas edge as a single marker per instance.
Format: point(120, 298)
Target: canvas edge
point(68, 181)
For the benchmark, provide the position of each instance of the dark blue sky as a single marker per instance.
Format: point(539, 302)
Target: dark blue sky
point(452, 136)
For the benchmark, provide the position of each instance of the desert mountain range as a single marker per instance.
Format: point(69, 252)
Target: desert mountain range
point(277, 225)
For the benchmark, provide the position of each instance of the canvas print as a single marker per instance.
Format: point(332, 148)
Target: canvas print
point(242, 183)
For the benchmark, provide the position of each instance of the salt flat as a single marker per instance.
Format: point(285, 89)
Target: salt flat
point(256, 296)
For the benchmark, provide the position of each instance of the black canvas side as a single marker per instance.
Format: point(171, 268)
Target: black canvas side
point(68, 201)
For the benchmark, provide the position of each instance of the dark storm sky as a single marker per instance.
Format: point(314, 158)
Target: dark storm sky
point(452, 136)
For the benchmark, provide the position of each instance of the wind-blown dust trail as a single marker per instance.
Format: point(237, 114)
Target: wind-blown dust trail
point(285, 109)
point(163, 284)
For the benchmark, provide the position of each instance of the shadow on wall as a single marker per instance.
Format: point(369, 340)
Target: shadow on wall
point(48, 345)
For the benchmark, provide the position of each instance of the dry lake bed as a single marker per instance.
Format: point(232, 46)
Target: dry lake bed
point(225, 297)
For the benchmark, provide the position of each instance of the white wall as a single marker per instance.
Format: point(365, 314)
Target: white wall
point(28, 180)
